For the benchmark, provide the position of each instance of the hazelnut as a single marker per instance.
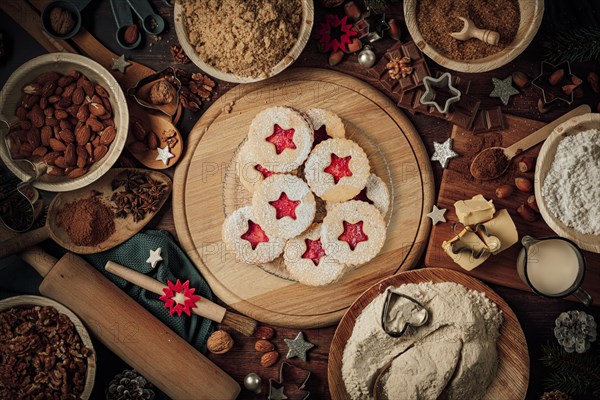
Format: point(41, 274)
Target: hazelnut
point(504, 191)
point(532, 203)
point(131, 34)
point(61, 20)
point(161, 93)
point(395, 31)
point(264, 346)
point(220, 342)
point(594, 81)
point(336, 57)
point(556, 77)
point(526, 164)
point(523, 184)
point(526, 213)
point(520, 79)
point(269, 359)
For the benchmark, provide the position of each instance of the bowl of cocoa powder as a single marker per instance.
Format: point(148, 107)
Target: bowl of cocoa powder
point(67, 112)
point(430, 23)
point(243, 41)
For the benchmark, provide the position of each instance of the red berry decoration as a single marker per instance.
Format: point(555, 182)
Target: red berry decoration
point(353, 234)
point(265, 172)
point(282, 139)
point(339, 167)
point(314, 251)
point(335, 34)
point(179, 297)
point(284, 207)
point(255, 235)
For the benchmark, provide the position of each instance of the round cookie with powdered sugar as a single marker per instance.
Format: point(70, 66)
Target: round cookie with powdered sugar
point(326, 125)
point(284, 205)
point(376, 193)
point(354, 232)
point(280, 139)
point(308, 261)
point(247, 239)
point(337, 169)
point(250, 173)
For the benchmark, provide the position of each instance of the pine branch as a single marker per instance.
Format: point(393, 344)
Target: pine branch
point(581, 44)
point(572, 373)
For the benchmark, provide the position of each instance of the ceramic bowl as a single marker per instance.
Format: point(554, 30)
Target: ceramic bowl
point(11, 96)
point(30, 301)
point(532, 12)
point(303, 36)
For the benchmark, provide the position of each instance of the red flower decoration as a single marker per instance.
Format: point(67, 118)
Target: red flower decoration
point(335, 34)
point(179, 297)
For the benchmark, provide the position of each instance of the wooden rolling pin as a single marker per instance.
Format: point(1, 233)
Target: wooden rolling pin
point(129, 330)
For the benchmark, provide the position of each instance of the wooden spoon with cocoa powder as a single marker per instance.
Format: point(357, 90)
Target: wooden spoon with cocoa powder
point(56, 227)
point(493, 162)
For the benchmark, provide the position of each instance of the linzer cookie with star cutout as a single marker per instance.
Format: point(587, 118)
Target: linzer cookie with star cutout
point(354, 231)
point(244, 236)
point(251, 173)
point(376, 193)
point(337, 169)
point(280, 139)
point(326, 125)
point(284, 205)
point(307, 260)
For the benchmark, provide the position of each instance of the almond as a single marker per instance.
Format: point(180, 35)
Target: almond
point(264, 332)
point(49, 88)
point(45, 135)
point(65, 80)
point(54, 99)
point(76, 172)
point(100, 152)
point(138, 131)
point(60, 114)
point(89, 149)
point(82, 135)
point(65, 124)
point(56, 144)
point(78, 96)
point(36, 116)
point(83, 113)
point(97, 109)
point(56, 171)
point(152, 140)
point(524, 184)
point(269, 359)
point(51, 157)
point(264, 346)
point(40, 151)
point(81, 161)
point(43, 103)
point(107, 105)
point(47, 77)
point(101, 91)
point(70, 155)
point(94, 124)
point(30, 100)
point(32, 88)
point(49, 111)
point(59, 91)
point(69, 90)
point(60, 162)
point(64, 102)
point(88, 87)
point(137, 147)
point(21, 113)
point(33, 137)
point(108, 135)
point(51, 121)
point(74, 73)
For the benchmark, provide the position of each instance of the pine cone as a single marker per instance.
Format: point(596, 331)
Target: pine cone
point(129, 385)
point(555, 395)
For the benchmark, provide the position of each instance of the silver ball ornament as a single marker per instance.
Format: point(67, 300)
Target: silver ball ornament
point(252, 382)
point(367, 57)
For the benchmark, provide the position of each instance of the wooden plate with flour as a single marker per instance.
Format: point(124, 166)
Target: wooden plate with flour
point(512, 376)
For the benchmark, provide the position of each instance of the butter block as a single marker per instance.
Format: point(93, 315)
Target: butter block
point(503, 227)
point(465, 259)
point(475, 210)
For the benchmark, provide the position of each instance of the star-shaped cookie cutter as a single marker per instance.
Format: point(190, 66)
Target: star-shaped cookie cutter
point(552, 93)
point(276, 387)
point(431, 97)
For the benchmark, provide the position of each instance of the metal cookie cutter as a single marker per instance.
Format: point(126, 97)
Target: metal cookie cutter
point(141, 91)
point(299, 377)
point(492, 243)
point(439, 92)
point(418, 315)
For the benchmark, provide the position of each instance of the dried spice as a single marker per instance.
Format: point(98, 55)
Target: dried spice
point(437, 18)
point(42, 355)
point(86, 221)
point(489, 163)
point(246, 38)
point(140, 195)
point(179, 55)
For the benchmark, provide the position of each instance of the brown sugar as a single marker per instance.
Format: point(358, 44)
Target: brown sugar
point(438, 18)
point(86, 221)
point(244, 37)
point(490, 163)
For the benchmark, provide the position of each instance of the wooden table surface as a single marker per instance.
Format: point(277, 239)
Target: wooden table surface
point(535, 313)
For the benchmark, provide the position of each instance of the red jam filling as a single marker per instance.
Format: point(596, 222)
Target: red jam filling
point(320, 135)
point(284, 207)
point(362, 196)
point(255, 235)
point(353, 234)
point(339, 167)
point(314, 251)
point(282, 139)
point(265, 172)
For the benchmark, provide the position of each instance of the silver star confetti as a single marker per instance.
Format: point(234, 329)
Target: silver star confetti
point(298, 347)
point(154, 258)
point(437, 215)
point(277, 394)
point(443, 152)
point(503, 89)
point(164, 155)
point(120, 64)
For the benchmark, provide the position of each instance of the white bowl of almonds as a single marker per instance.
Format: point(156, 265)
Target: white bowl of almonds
point(67, 112)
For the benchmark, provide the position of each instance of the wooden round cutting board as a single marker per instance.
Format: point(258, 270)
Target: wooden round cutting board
point(199, 205)
point(512, 377)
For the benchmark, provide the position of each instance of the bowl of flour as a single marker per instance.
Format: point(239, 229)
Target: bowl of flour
point(471, 346)
point(566, 181)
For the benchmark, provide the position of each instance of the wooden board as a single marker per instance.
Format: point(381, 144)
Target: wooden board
point(198, 204)
point(458, 184)
point(513, 358)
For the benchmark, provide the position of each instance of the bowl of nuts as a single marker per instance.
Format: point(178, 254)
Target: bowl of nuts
point(45, 350)
point(65, 113)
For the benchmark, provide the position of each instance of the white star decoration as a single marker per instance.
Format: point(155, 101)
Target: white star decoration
point(164, 154)
point(154, 257)
point(437, 215)
point(120, 64)
point(443, 152)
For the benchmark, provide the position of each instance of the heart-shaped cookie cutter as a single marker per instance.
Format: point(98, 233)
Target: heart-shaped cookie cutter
point(170, 75)
point(386, 310)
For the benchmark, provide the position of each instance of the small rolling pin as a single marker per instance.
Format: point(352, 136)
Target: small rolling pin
point(129, 330)
point(204, 308)
point(469, 31)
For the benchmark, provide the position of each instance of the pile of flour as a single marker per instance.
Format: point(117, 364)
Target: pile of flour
point(571, 188)
point(452, 356)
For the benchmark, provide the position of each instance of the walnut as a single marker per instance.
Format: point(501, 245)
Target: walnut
point(161, 93)
point(61, 20)
point(399, 67)
point(220, 342)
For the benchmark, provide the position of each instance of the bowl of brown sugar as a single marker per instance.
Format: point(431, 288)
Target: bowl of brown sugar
point(430, 23)
point(243, 41)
